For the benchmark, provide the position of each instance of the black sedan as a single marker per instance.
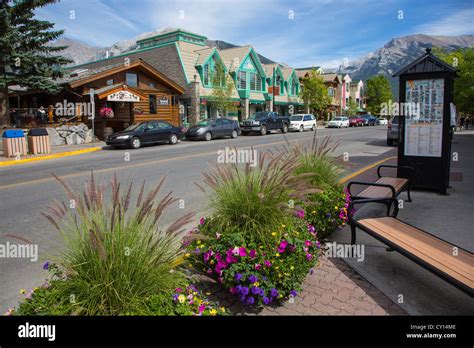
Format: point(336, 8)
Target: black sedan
point(211, 129)
point(143, 133)
point(369, 120)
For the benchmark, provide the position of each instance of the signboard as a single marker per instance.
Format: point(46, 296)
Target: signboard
point(92, 95)
point(424, 129)
point(164, 101)
point(123, 96)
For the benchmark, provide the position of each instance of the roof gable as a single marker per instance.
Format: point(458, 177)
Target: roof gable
point(425, 64)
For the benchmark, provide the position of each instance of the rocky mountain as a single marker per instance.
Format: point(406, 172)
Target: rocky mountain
point(81, 53)
point(397, 53)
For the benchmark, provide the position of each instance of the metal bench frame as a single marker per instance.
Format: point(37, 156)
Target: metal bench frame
point(393, 201)
point(395, 194)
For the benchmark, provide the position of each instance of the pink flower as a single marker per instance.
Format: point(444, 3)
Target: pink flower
point(311, 228)
point(233, 290)
point(282, 246)
point(252, 253)
point(308, 243)
point(318, 244)
point(267, 263)
point(202, 308)
point(202, 221)
point(178, 289)
point(258, 266)
point(230, 258)
point(242, 252)
point(309, 257)
point(305, 249)
point(300, 214)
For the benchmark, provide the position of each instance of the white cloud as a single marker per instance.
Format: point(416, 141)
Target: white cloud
point(459, 23)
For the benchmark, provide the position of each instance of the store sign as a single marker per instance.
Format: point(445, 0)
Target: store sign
point(164, 101)
point(424, 130)
point(123, 96)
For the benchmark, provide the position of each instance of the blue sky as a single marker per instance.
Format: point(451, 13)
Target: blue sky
point(298, 33)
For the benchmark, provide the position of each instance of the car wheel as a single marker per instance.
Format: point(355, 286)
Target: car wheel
point(285, 128)
point(313, 128)
point(234, 134)
point(135, 143)
point(173, 139)
point(301, 129)
point(263, 130)
point(208, 136)
point(389, 142)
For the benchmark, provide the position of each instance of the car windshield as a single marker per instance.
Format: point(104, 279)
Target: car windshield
point(337, 118)
point(258, 115)
point(135, 127)
point(353, 117)
point(297, 117)
point(395, 120)
point(204, 123)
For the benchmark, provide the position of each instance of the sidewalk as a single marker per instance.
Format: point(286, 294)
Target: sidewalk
point(449, 217)
point(56, 152)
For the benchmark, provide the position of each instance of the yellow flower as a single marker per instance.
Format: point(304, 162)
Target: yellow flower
point(277, 254)
point(187, 255)
point(202, 245)
point(283, 226)
point(22, 291)
point(223, 309)
point(336, 208)
point(277, 267)
point(261, 247)
point(181, 298)
point(256, 283)
point(313, 212)
point(199, 242)
point(213, 312)
point(211, 262)
point(274, 234)
point(292, 267)
point(208, 293)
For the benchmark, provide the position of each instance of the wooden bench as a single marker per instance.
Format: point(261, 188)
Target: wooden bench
point(450, 262)
point(385, 186)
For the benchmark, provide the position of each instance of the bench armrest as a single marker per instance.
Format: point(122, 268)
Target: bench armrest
point(385, 201)
point(410, 169)
point(370, 184)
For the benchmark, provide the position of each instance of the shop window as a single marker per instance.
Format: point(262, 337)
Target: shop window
point(110, 82)
point(131, 79)
point(331, 92)
point(152, 99)
point(152, 85)
point(206, 74)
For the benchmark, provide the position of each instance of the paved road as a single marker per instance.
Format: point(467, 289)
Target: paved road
point(27, 189)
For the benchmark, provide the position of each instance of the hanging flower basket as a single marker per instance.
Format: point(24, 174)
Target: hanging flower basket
point(106, 112)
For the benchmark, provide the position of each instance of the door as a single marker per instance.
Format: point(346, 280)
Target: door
point(307, 122)
point(227, 127)
point(164, 131)
point(218, 128)
point(151, 133)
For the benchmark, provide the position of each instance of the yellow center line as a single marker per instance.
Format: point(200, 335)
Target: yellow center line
point(352, 175)
point(105, 170)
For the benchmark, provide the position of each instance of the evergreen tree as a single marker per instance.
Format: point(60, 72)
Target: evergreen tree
point(26, 59)
point(378, 92)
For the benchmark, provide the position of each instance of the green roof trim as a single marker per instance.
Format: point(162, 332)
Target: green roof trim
point(181, 61)
point(174, 32)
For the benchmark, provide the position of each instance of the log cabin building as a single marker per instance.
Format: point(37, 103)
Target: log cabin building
point(123, 94)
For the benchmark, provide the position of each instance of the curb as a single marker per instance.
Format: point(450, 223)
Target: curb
point(48, 157)
point(363, 170)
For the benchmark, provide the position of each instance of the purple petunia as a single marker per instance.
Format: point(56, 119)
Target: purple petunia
point(255, 290)
point(293, 293)
point(274, 292)
point(244, 291)
point(242, 252)
point(267, 263)
point(300, 214)
point(46, 265)
point(266, 300)
point(252, 253)
point(258, 266)
point(238, 276)
point(311, 228)
point(250, 300)
point(253, 278)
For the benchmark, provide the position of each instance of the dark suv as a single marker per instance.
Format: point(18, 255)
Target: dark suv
point(264, 122)
point(392, 130)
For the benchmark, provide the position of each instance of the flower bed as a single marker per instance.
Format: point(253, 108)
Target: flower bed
point(258, 273)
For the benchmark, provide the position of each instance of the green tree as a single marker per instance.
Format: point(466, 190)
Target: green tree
point(222, 91)
point(378, 92)
point(26, 58)
point(352, 108)
point(315, 94)
point(463, 60)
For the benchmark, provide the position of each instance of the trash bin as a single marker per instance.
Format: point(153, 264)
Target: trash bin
point(14, 143)
point(38, 141)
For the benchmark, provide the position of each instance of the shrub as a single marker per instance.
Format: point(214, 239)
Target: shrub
point(259, 274)
point(115, 256)
point(253, 201)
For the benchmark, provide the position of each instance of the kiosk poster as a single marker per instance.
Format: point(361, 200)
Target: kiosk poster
point(424, 128)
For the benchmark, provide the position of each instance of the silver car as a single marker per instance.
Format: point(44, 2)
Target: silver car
point(392, 130)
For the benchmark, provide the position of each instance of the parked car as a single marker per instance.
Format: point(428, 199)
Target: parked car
point(369, 120)
point(265, 121)
point(392, 130)
point(302, 122)
point(212, 129)
point(356, 121)
point(339, 122)
point(143, 133)
point(383, 121)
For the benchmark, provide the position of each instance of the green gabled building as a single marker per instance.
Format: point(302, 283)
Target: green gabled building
point(185, 58)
